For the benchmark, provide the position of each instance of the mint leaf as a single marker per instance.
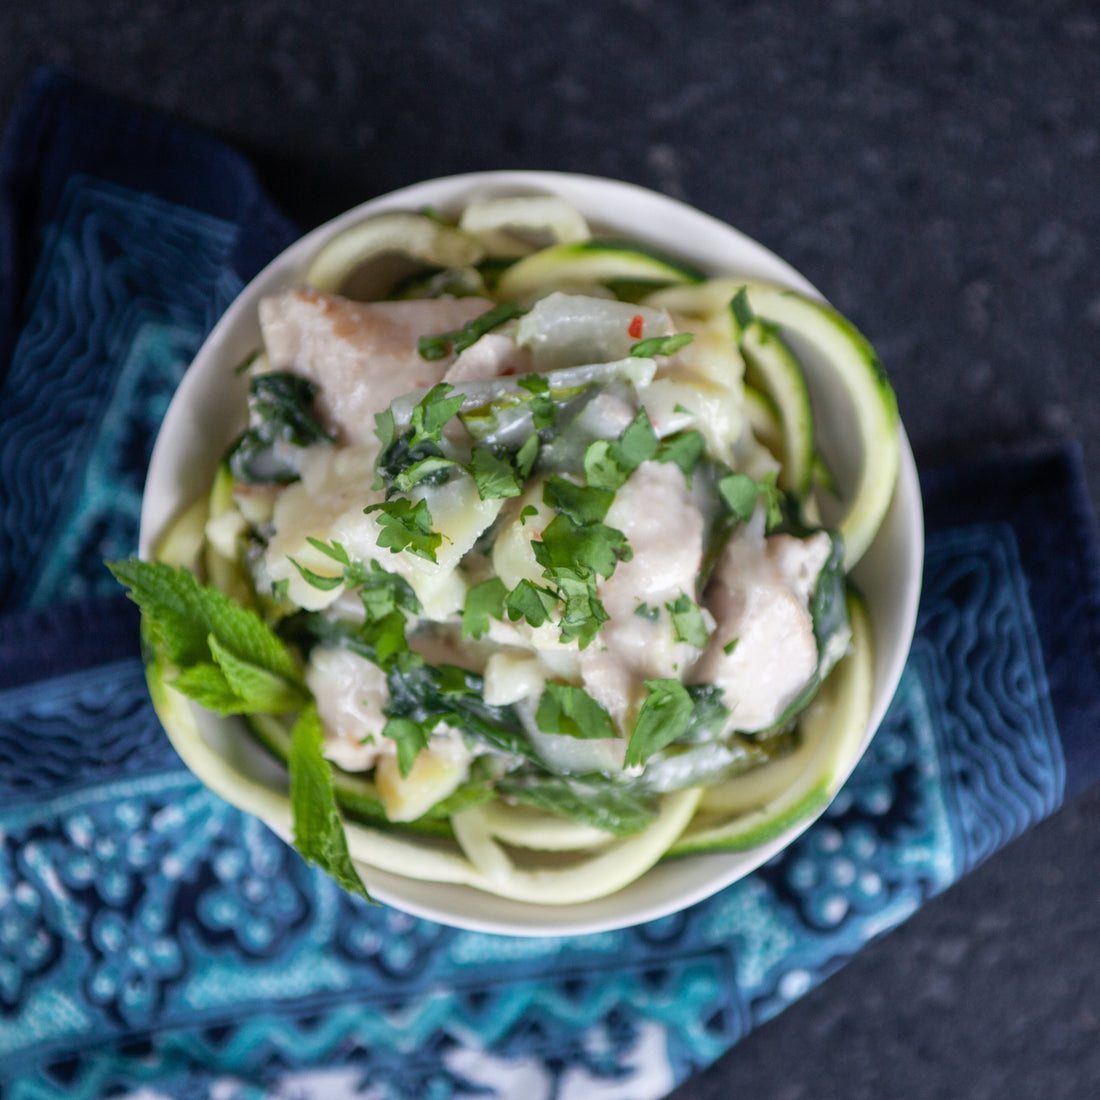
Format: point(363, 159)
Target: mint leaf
point(571, 711)
point(258, 690)
point(687, 621)
point(406, 526)
point(484, 601)
point(182, 614)
point(664, 717)
point(318, 830)
point(207, 685)
point(661, 345)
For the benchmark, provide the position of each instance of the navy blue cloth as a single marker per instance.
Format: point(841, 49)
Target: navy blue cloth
point(154, 938)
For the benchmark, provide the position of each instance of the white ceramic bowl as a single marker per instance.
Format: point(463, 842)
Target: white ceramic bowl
point(206, 413)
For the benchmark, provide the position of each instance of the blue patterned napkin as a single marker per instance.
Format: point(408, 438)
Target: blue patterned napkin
point(154, 941)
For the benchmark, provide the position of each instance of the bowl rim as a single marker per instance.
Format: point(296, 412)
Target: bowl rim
point(170, 485)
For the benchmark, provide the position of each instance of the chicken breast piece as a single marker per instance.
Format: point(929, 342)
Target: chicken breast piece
point(664, 529)
point(361, 354)
point(759, 597)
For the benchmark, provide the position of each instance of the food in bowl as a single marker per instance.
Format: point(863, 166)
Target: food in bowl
point(524, 557)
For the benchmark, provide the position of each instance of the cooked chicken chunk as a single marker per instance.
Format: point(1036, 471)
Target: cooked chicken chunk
point(759, 596)
point(361, 354)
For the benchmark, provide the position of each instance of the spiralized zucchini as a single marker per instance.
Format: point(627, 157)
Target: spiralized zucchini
point(539, 522)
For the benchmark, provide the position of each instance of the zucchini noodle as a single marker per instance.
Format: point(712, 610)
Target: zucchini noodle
point(538, 517)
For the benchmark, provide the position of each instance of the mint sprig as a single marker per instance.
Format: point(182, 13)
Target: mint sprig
point(318, 829)
point(229, 659)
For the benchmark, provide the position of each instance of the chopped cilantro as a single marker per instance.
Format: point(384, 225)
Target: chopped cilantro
point(730, 646)
point(410, 737)
point(687, 621)
point(664, 717)
point(650, 614)
point(608, 463)
point(685, 449)
point(494, 474)
point(569, 710)
point(483, 602)
point(582, 504)
point(544, 411)
point(406, 526)
point(317, 580)
point(740, 494)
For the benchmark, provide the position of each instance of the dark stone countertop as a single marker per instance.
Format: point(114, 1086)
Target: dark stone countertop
point(933, 168)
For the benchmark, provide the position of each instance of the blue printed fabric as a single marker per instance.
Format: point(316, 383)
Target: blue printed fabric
point(156, 942)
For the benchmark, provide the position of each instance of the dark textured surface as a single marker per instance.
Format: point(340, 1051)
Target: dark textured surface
point(934, 169)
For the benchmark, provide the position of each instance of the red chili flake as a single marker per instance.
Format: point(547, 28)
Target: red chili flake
point(636, 324)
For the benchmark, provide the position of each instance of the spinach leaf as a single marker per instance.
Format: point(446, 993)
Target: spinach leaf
point(279, 413)
point(619, 808)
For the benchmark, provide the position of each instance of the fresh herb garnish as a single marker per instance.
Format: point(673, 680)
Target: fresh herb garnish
point(740, 494)
point(494, 473)
point(279, 409)
point(664, 717)
point(544, 410)
point(530, 601)
point(687, 621)
point(608, 463)
point(661, 345)
point(484, 601)
point(318, 830)
point(684, 449)
point(569, 710)
point(426, 695)
point(406, 526)
point(229, 659)
point(413, 455)
point(438, 347)
point(573, 555)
